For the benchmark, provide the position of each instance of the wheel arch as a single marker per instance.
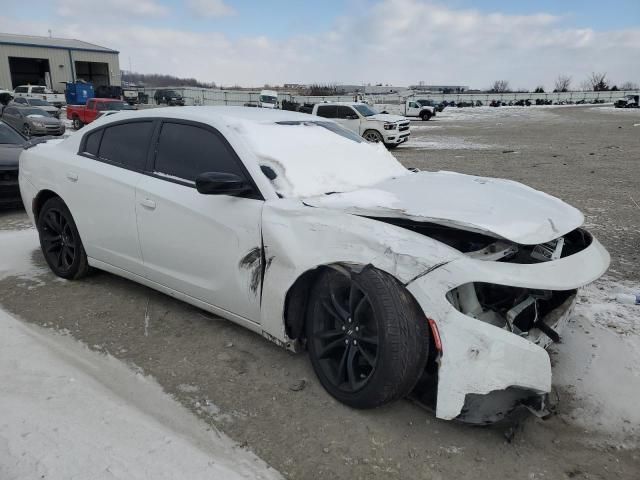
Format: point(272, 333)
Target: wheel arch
point(296, 298)
point(40, 199)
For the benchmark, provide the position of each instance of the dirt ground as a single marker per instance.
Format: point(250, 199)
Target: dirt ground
point(270, 401)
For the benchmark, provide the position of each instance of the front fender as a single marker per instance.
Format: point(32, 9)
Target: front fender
point(299, 238)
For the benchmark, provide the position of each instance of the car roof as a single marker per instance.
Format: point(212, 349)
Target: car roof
point(351, 104)
point(219, 113)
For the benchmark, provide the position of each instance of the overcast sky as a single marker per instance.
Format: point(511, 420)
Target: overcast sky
point(399, 42)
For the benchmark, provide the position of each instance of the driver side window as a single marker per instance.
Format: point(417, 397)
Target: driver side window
point(185, 151)
point(345, 112)
point(413, 105)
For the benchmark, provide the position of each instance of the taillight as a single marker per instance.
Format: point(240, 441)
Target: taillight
point(436, 334)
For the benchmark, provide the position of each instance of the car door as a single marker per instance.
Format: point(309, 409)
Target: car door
point(413, 109)
point(204, 246)
point(99, 189)
point(348, 118)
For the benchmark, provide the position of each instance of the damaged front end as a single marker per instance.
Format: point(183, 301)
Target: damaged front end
point(496, 310)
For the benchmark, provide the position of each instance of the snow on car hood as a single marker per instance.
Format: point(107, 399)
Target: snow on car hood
point(501, 208)
point(386, 117)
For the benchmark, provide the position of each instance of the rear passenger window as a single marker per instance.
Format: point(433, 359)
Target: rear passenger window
point(327, 111)
point(126, 144)
point(186, 151)
point(92, 143)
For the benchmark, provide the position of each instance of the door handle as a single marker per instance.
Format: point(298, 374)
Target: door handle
point(72, 176)
point(147, 203)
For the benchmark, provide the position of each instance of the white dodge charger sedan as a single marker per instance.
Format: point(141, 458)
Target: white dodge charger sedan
point(443, 286)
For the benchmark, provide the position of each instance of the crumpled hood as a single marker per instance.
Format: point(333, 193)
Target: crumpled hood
point(497, 207)
point(386, 117)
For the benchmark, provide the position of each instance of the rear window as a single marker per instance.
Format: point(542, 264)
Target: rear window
point(327, 111)
point(126, 144)
point(37, 89)
point(332, 127)
point(92, 143)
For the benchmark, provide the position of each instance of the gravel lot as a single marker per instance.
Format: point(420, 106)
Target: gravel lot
point(269, 400)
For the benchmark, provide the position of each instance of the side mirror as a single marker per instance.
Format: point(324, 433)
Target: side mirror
point(217, 183)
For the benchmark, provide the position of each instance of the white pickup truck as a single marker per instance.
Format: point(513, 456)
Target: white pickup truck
point(360, 118)
point(413, 108)
point(42, 92)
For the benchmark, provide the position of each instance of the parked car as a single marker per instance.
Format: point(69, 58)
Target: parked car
point(41, 92)
point(83, 114)
point(628, 101)
point(168, 96)
point(443, 285)
point(39, 103)
point(32, 121)
point(439, 107)
point(11, 143)
point(268, 99)
point(360, 118)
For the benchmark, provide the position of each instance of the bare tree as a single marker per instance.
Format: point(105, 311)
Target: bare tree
point(562, 84)
point(598, 81)
point(585, 86)
point(629, 86)
point(500, 86)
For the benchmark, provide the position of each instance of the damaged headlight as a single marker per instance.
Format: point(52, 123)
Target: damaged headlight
point(518, 310)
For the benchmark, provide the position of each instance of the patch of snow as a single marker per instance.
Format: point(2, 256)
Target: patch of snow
point(312, 160)
point(444, 143)
point(68, 413)
point(16, 254)
point(597, 363)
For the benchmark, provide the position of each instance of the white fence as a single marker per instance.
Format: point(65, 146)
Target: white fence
point(206, 96)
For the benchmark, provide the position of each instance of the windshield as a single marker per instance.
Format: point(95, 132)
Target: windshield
point(268, 99)
point(172, 94)
point(117, 106)
point(365, 110)
point(37, 102)
point(34, 111)
point(9, 135)
point(309, 157)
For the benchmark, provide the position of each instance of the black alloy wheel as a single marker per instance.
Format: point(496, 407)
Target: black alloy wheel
point(367, 338)
point(60, 240)
point(347, 340)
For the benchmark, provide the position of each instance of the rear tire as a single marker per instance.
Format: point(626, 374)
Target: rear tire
point(77, 123)
point(367, 337)
point(425, 116)
point(60, 241)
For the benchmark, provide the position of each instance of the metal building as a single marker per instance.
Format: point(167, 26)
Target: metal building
point(26, 59)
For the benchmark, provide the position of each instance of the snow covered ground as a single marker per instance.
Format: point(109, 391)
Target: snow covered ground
point(70, 413)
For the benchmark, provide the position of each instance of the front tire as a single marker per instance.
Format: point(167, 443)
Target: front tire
point(26, 130)
point(368, 339)
point(425, 116)
point(372, 136)
point(60, 241)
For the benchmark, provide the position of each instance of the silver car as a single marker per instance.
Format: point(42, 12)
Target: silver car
point(39, 103)
point(32, 121)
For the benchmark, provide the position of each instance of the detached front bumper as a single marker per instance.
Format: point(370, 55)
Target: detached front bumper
point(479, 358)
